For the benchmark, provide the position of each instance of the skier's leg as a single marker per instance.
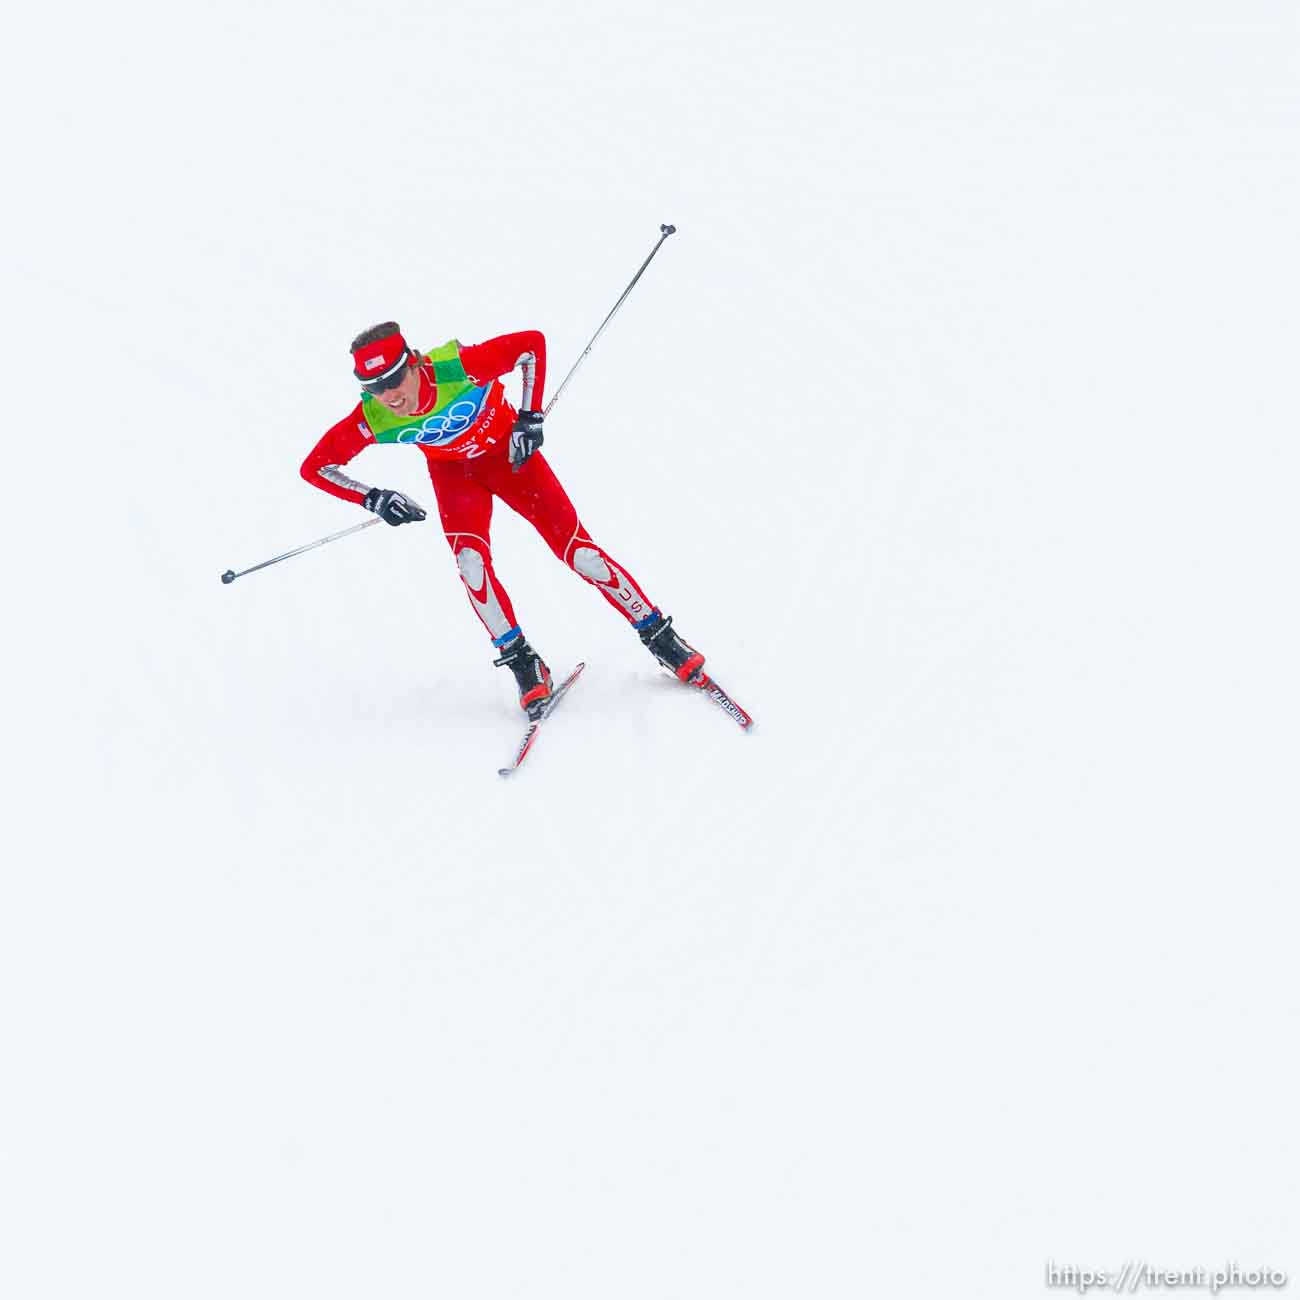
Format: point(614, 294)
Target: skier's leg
point(536, 494)
point(465, 508)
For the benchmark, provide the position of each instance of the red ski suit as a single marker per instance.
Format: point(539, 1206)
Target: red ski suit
point(467, 471)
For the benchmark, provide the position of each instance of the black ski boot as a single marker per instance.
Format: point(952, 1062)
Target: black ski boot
point(683, 661)
point(533, 676)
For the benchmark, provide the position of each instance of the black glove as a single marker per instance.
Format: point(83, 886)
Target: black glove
point(525, 437)
point(392, 507)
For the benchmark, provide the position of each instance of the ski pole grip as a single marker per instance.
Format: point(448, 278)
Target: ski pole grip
point(668, 230)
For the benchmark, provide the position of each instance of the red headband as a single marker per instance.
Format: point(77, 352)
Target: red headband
point(379, 359)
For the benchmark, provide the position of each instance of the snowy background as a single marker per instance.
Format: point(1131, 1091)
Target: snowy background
point(957, 425)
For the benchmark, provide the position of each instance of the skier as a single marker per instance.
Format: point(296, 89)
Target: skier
point(450, 402)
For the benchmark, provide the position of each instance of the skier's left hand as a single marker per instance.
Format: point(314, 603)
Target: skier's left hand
point(525, 437)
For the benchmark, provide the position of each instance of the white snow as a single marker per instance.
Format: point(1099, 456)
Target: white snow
point(957, 425)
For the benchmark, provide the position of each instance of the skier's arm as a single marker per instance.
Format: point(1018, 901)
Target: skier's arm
point(323, 467)
point(525, 350)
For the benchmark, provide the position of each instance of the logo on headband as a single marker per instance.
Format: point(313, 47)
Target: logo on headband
point(375, 362)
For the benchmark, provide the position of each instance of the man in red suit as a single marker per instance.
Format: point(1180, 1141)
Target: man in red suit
point(450, 402)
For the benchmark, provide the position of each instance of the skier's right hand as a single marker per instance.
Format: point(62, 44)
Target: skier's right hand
point(392, 507)
point(525, 438)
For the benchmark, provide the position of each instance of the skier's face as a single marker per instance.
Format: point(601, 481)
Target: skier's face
point(402, 399)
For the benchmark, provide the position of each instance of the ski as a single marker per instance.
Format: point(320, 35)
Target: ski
point(722, 700)
point(530, 734)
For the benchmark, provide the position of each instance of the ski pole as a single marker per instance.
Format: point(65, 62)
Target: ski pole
point(665, 231)
point(230, 575)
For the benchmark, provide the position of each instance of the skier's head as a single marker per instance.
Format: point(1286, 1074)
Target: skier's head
point(386, 368)
point(380, 357)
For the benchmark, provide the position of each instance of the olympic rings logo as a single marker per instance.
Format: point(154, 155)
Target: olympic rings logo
point(447, 424)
